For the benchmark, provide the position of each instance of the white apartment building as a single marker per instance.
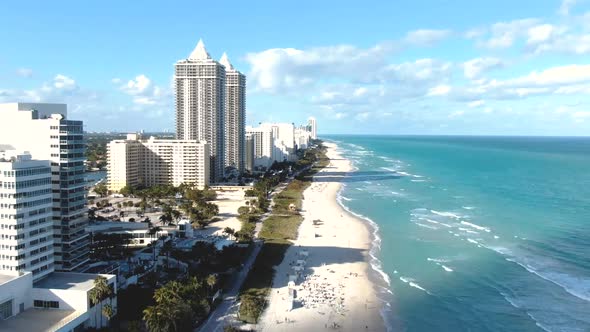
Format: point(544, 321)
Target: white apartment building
point(302, 138)
point(263, 141)
point(199, 84)
point(44, 131)
point(135, 162)
point(235, 116)
point(284, 141)
point(312, 127)
point(32, 296)
point(26, 227)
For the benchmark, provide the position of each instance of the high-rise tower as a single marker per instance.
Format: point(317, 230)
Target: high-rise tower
point(199, 83)
point(44, 131)
point(313, 127)
point(235, 116)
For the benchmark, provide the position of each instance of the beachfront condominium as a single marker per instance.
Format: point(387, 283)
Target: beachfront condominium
point(199, 84)
point(263, 142)
point(284, 141)
point(235, 116)
point(26, 201)
point(134, 162)
point(302, 137)
point(45, 132)
point(312, 127)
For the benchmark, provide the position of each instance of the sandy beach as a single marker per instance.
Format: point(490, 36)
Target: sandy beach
point(329, 258)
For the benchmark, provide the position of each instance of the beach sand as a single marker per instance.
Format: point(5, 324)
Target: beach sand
point(228, 202)
point(336, 270)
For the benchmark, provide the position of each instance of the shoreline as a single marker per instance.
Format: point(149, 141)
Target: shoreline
point(336, 284)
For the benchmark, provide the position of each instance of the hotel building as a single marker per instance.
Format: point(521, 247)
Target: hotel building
point(134, 162)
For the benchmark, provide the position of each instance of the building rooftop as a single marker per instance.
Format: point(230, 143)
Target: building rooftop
point(199, 53)
point(4, 278)
point(37, 320)
point(116, 226)
point(67, 280)
point(225, 62)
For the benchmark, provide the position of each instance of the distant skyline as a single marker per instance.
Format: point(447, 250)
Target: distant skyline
point(379, 67)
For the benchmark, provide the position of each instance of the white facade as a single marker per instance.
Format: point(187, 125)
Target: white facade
point(135, 162)
point(313, 127)
point(26, 227)
point(263, 141)
point(44, 131)
point(235, 116)
point(58, 302)
point(199, 83)
point(302, 138)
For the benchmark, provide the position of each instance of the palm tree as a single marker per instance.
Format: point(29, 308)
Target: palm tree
point(154, 231)
point(108, 312)
point(100, 292)
point(155, 319)
point(166, 219)
point(167, 249)
point(229, 232)
point(211, 280)
point(175, 214)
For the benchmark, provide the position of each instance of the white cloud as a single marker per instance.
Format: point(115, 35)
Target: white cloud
point(504, 34)
point(144, 92)
point(476, 103)
point(426, 37)
point(116, 80)
point(63, 82)
point(566, 6)
point(362, 116)
point(473, 68)
point(282, 69)
point(24, 72)
point(560, 75)
point(580, 116)
point(456, 114)
point(439, 90)
point(540, 33)
point(138, 86)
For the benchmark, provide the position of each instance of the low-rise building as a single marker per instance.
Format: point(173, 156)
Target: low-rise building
point(58, 302)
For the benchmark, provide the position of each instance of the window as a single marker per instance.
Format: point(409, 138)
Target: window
point(6, 309)
point(46, 304)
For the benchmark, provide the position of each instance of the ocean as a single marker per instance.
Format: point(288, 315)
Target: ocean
point(476, 233)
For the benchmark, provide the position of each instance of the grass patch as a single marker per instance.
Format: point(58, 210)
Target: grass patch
point(280, 227)
point(256, 287)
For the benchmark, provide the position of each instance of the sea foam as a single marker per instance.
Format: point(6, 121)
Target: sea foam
point(481, 228)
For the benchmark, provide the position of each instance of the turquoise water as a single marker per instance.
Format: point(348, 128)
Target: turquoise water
point(477, 233)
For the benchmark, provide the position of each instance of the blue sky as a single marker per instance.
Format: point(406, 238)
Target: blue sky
point(360, 67)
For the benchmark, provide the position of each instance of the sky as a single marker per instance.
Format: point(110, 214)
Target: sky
point(500, 67)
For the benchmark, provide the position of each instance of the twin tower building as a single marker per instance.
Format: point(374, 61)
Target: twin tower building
point(210, 98)
point(211, 106)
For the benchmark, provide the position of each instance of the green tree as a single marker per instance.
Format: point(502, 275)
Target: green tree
point(101, 189)
point(229, 232)
point(108, 312)
point(100, 292)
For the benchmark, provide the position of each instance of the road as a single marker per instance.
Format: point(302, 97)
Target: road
point(223, 311)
